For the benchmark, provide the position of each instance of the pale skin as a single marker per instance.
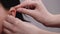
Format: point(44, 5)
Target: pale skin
point(3, 15)
point(40, 13)
point(16, 26)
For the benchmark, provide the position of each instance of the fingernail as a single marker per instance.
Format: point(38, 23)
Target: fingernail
point(10, 16)
point(18, 9)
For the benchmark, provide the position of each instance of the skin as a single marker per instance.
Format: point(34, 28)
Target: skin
point(16, 26)
point(3, 15)
point(40, 13)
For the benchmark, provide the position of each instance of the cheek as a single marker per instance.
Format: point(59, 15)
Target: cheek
point(2, 17)
point(2, 14)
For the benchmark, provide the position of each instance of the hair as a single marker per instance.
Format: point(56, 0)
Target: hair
point(7, 4)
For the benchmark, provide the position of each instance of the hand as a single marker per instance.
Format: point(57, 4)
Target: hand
point(37, 10)
point(13, 25)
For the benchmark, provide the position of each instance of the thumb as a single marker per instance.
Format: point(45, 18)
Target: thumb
point(25, 11)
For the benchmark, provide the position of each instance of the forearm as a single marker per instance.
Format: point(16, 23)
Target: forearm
point(52, 21)
point(47, 18)
point(31, 29)
point(47, 32)
point(57, 18)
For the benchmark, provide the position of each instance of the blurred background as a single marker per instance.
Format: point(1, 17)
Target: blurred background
point(53, 7)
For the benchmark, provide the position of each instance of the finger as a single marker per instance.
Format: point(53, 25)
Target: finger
point(10, 26)
point(13, 20)
point(25, 11)
point(25, 4)
point(6, 31)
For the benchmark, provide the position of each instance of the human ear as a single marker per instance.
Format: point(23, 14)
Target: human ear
point(12, 12)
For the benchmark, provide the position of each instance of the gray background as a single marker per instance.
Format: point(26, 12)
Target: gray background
point(53, 7)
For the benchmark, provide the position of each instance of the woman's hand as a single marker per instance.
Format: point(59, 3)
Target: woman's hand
point(13, 25)
point(37, 10)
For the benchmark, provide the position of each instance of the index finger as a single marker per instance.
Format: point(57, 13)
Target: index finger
point(26, 4)
point(13, 20)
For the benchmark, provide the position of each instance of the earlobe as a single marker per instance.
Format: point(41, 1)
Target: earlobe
point(12, 12)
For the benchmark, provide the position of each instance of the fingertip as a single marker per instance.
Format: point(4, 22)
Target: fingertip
point(10, 16)
point(19, 9)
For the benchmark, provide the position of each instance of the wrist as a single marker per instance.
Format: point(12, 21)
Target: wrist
point(48, 19)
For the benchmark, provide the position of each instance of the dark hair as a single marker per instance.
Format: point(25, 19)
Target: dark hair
point(7, 4)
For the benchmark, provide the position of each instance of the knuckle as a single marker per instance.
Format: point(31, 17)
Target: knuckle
point(14, 29)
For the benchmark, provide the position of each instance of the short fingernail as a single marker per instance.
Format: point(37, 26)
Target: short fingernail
point(10, 16)
point(19, 9)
